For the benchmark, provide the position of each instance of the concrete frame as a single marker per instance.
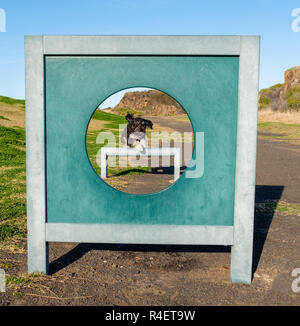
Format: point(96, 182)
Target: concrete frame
point(240, 236)
point(116, 151)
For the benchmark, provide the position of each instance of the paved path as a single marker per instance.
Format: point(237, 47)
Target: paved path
point(278, 164)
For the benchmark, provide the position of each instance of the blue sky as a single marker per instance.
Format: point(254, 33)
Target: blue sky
point(272, 19)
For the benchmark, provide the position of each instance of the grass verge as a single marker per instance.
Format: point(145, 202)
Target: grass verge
point(279, 130)
point(13, 183)
point(279, 207)
point(12, 101)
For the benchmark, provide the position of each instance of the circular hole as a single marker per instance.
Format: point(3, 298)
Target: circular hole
point(139, 140)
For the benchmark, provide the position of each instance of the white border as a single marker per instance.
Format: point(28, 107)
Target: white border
point(139, 234)
point(142, 45)
point(242, 249)
point(35, 154)
point(247, 47)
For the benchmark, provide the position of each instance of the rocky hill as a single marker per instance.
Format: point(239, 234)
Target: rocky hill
point(150, 102)
point(283, 97)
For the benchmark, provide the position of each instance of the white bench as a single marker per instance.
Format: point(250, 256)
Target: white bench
point(119, 151)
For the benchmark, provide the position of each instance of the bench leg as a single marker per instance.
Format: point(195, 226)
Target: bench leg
point(103, 165)
point(176, 166)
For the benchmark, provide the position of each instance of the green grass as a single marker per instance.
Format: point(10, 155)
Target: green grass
point(290, 209)
point(282, 207)
point(3, 118)
point(6, 266)
point(264, 101)
point(113, 118)
point(12, 146)
point(13, 183)
point(12, 101)
point(277, 86)
point(281, 130)
point(7, 230)
point(13, 280)
point(293, 98)
point(266, 91)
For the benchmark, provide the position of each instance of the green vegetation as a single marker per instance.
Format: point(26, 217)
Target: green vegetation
point(264, 101)
point(265, 91)
point(277, 86)
point(12, 280)
point(17, 283)
point(282, 207)
point(270, 90)
point(6, 266)
point(13, 183)
point(279, 130)
point(12, 146)
point(104, 116)
point(293, 98)
point(9, 100)
point(289, 209)
point(3, 118)
point(268, 97)
point(271, 97)
point(8, 231)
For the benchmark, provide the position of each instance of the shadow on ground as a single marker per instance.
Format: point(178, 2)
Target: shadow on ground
point(157, 170)
point(263, 218)
point(262, 222)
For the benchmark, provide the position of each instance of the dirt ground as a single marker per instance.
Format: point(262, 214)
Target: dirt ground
point(130, 275)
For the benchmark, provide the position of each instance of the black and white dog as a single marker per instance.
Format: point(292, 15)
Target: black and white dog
point(135, 132)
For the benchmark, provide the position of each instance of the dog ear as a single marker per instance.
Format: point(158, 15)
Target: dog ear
point(129, 117)
point(149, 124)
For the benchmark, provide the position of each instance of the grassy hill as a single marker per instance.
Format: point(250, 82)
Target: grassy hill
point(12, 169)
point(151, 102)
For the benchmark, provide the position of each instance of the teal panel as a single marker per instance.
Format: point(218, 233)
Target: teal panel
point(206, 87)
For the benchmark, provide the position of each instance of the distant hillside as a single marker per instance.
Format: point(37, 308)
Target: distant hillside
point(150, 102)
point(12, 112)
point(283, 97)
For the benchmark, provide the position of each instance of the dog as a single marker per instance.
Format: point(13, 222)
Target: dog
point(135, 132)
